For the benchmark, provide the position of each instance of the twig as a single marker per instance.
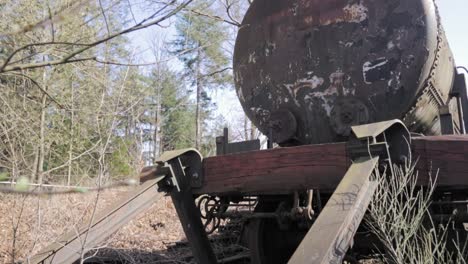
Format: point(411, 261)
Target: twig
point(105, 18)
point(215, 17)
point(69, 58)
point(7, 61)
point(40, 88)
point(217, 72)
point(77, 189)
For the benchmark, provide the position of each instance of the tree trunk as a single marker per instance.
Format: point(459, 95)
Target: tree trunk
point(253, 130)
point(198, 76)
point(40, 164)
point(42, 124)
point(157, 149)
point(34, 175)
point(72, 125)
point(246, 128)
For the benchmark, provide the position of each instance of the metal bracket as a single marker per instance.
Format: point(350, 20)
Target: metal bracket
point(390, 140)
point(446, 120)
point(192, 162)
point(459, 91)
point(184, 170)
point(223, 147)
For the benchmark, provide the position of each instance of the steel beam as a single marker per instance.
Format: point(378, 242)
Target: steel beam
point(330, 237)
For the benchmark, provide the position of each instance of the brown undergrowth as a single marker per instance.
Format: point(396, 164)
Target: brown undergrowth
point(28, 223)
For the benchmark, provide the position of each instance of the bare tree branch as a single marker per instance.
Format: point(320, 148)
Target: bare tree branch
point(77, 189)
point(45, 63)
point(215, 17)
point(216, 72)
point(7, 61)
point(40, 88)
point(69, 58)
point(105, 18)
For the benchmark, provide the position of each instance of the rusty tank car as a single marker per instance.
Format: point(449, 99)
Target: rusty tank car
point(327, 81)
point(309, 70)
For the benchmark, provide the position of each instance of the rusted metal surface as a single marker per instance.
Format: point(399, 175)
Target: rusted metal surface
point(68, 248)
point(224, 147)
point(331, 234)
point(460, 92)
point(334, 64)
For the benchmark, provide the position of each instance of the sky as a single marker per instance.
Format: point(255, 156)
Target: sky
point(454, 19)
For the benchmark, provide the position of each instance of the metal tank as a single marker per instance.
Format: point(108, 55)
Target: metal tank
point(307, 70)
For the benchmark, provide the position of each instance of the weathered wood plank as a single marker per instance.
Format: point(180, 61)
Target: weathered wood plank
point(276, 170)
point(283, 170)
point(444, 156)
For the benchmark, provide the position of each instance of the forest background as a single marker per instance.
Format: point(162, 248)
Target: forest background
point(94, 90)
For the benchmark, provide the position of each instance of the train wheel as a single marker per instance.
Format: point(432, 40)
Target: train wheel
point(268, 243)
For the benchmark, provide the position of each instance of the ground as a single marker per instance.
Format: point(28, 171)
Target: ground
point(40, 220)
point(28, 223)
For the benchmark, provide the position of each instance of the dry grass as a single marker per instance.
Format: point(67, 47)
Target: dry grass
point(399, 216)
point(29, 223)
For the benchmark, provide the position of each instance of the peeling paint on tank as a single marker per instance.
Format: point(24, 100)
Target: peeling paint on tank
point(388, 29)
point(336, 83)
point(314, 82)
point(355, 13)
point(238, 77)
point(269, 48)
point(240, 94)
point(348, 91)
point(370, 66)
point(252, 58)
point(294, 9)
point(292, 89)
point(358, 12)
point(261, 113)
point(305, 83)
point(326, 101)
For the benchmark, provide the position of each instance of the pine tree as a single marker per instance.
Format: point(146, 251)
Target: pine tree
point(199, 43)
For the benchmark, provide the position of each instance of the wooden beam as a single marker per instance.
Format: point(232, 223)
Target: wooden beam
point(444, 156)
point(283, 170)
point(279, 170)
